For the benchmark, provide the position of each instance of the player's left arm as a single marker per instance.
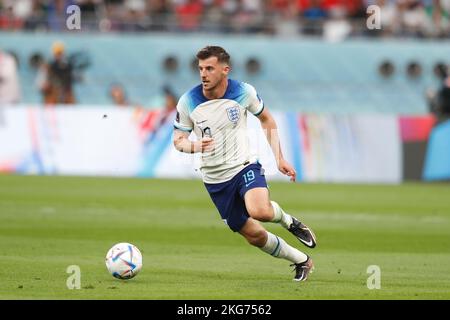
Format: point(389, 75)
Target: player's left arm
point(271, 131)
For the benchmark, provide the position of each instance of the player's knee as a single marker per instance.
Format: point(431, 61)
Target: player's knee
point(262, 212)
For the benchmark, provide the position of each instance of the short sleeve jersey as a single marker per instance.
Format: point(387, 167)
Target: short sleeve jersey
point(225, 120)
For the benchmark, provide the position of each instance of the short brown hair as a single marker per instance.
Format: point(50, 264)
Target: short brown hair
point(214, 51)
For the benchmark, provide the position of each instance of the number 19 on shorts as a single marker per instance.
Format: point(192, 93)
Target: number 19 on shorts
point(249, 177)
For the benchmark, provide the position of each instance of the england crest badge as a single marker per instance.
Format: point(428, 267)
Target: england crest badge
point(234, 114)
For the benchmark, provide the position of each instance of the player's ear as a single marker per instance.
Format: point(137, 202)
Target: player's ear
point(226, 68)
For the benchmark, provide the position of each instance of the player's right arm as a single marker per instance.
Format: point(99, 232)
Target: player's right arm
point(183, 126)
point(182, 143)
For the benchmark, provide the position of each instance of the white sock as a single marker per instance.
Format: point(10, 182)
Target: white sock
point(278, 248)
point(280, 216)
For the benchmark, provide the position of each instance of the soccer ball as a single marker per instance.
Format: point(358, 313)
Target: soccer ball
point(124, 261)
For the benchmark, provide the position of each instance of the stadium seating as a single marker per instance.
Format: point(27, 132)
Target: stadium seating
point(296, 74)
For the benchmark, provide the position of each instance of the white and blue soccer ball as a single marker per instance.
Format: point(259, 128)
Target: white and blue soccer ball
point(124, 261)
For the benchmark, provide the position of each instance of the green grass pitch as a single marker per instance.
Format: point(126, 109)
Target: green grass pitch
point(50, 223)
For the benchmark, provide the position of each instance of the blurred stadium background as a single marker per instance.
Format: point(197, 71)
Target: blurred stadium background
point(347, 86)
point(353, 105)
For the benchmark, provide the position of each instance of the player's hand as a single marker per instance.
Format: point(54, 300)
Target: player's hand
point(206, 144)
point(287, 169)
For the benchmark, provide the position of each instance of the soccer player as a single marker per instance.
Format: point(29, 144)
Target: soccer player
point(216, 110)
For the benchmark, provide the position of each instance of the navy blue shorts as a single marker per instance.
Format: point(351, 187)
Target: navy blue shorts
point(229, 196)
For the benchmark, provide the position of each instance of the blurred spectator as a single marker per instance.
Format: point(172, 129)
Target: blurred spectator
point(9, 80)
point(88, 9)
point(60, 77)
point(15, 13)
point(443, 98)
point(439, 101)
point(154, 120)
point(170, 100)
point(313, 16)
point(38, 63)
point(118, 95)
point(284, 17)
point(134, 15)
point(56, 14)
point(188, 13)
point(439, 11)
point(414, 20)
point(337, 28)
point(168, 112)
point(37, 20)
point(390, 20)
point(158, 11)
point(248, 17)
point(8, 18)
point(20, 9)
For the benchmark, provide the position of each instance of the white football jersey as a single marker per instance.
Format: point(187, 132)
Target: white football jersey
point(225, 120)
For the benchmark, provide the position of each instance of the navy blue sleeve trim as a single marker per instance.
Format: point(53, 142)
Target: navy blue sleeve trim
point(257, 114)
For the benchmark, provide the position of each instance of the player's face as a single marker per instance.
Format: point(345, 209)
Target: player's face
point(212, 72)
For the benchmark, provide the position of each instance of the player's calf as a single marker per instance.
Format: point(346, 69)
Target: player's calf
point(254, 233)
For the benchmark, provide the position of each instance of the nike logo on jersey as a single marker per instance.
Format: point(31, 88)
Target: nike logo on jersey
point(247, 184)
